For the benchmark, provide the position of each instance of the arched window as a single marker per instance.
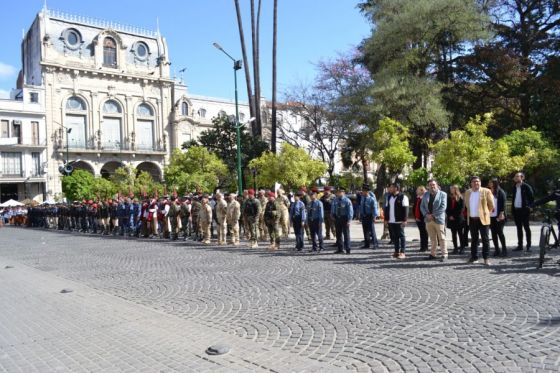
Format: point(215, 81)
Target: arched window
point(202, 112)
point(145, 127)
point(75, 120)
point(109, 52)
point(111, 133)
point(222, 113)
point(242, 117)
point(184, 109)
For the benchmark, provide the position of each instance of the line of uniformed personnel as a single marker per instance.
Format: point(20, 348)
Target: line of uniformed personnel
point(264, 215)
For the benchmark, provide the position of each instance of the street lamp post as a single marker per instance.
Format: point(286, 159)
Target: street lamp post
point(68, 130)
point(237, 65)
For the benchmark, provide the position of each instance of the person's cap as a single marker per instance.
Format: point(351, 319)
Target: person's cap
point(341, 189)
point(366, 187)
point(328, 189)
point(94, 205)
point(314, 190)
point(251, 192)
point(300, 193)
point(271, 194)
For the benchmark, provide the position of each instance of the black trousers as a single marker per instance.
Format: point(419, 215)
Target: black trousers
point(342, 234)
point(421, 224)
point(298, 231)
point(369, 230)
point(476, 228)
point(458, 235)
point(521, 218)
point(498, 237)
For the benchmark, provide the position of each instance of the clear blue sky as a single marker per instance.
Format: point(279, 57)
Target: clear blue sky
point(308, 31)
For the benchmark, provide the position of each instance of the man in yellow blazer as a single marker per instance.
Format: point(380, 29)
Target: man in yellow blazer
point(480, 203)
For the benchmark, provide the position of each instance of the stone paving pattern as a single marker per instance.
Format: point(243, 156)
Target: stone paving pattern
point(278, 311)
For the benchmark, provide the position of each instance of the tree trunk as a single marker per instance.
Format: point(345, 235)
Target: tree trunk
point(365, 165)
point(256, 77)
point(245, 60)
point(381, 181)
point(274, 44)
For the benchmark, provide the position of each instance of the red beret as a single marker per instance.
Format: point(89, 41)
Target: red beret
point(314, 190)
point(251, 192)
point(328, 189)
point(271, 194)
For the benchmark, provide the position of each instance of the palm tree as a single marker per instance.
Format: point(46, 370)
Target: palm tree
point(245, 62)
point(274, 44)
point(255, 29)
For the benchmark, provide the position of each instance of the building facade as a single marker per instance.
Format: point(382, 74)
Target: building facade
point(107, 94)
point(23, 146)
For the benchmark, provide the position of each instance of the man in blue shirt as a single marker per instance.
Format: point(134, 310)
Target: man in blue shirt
point(342, 213)
point(315, 219)
point(298, 218)
point(368, 212)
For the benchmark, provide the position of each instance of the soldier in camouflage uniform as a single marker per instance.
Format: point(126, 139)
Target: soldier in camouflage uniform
point(185, 214)
point(327, 200)
point(263, 232)
point(233, 214)
point(251, 212)
point(195, 211)
point(244, 220)
point(205, 219)
point(174, 218)
point(221, 214)
point(272, 220)
point(284, 213)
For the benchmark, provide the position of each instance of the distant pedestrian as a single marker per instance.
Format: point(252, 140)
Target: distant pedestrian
point(233, 214)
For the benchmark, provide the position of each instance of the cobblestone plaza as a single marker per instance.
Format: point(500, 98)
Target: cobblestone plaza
point(151, 305)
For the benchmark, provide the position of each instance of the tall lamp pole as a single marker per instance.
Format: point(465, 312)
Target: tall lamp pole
point(68, 130)
point(237, 65)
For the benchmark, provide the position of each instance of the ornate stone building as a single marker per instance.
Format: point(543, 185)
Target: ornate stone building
point(108, 94)
point(104, 98)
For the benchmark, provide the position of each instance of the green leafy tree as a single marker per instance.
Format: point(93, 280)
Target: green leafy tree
point(222, 141)
point(195, 169)
point(80, 185)
point(292, 168)
point(390, 146)
point(472, 152)
point(412, 55)
point(103, 188)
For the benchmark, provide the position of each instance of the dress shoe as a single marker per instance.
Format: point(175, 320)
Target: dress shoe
point(518, 248)
point(431, 257)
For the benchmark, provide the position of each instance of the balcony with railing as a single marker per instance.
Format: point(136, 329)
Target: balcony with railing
point(22, 142)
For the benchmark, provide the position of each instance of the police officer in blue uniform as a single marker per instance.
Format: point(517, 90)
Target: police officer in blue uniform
point(369, 210)
point(315, 217)
point(342, 212)
point(298, 218)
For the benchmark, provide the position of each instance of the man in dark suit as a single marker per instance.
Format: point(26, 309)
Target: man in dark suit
point(522, 199)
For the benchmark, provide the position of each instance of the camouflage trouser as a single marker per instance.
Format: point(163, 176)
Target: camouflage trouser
point(263, 230)
point(221, 228)
point(246, 229)
point(233, 228)
point(205, 228)
point(329, 227)
point(285, 222)
point(253, 227)
point(273, 229)
point(185, 226)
